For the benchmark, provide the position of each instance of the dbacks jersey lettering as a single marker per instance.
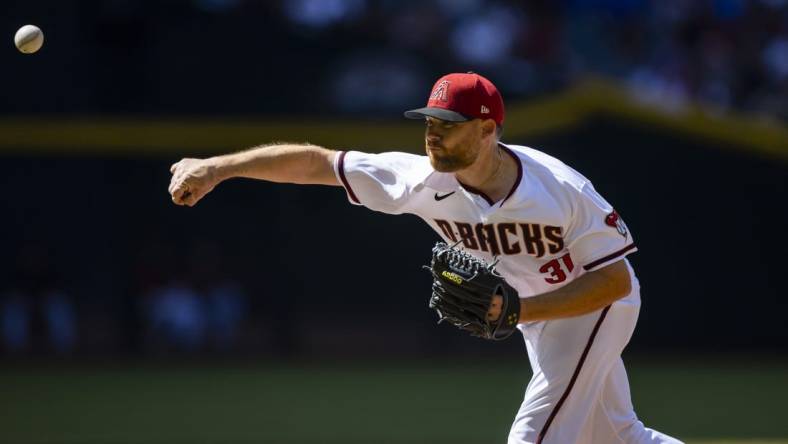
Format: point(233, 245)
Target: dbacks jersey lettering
point(551, 228)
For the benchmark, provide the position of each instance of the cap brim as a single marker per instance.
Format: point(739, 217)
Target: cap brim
point(438, 113)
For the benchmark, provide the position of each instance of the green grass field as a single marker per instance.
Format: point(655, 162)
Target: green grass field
point(354, 403)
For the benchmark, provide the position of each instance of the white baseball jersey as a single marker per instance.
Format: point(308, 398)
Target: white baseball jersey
point(551, 228)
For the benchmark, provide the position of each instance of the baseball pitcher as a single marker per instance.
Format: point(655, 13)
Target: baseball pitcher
point(529, 246)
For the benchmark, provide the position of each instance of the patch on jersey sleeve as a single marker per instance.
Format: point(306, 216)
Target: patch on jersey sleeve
point(615, 221)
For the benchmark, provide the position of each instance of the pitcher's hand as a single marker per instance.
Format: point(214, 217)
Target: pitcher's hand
point(191, 180)
point(495, 308)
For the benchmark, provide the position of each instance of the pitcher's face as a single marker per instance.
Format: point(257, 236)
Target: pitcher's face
point(452, 146)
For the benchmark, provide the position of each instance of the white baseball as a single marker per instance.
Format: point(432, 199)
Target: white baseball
point(29, 39)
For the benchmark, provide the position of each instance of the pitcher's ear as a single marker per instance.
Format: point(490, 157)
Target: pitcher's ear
point(488, 127)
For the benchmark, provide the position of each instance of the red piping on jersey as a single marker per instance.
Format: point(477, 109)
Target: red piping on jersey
point(519, 172)
point(341, 168)
point(558, 405)
point(608, 257)
point(514, 187)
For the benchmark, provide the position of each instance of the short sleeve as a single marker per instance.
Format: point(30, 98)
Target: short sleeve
point(597, 236)
point(380, 182)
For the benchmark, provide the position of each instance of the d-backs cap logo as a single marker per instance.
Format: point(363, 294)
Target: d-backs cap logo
point(441, 91)
point(615, 221)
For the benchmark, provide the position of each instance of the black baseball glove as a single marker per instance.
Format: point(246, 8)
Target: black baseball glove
point(462, 291)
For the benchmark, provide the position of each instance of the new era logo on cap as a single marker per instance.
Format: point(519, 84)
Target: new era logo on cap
point(459, 97)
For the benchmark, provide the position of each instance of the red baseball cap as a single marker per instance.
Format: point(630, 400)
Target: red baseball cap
point(459, 97)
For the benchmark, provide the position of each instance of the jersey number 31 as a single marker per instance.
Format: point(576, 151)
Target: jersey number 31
point(556, 269)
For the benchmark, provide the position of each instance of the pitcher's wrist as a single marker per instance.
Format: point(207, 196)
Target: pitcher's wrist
point(221, 168)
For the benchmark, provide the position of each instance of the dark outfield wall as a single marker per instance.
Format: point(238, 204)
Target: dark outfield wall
point(709, 223)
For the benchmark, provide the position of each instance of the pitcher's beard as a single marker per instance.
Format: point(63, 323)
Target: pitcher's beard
point(449, 163)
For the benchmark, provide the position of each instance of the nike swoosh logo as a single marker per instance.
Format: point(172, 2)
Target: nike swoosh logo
point(439, 198)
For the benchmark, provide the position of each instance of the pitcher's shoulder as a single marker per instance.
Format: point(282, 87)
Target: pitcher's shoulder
point(538, 165)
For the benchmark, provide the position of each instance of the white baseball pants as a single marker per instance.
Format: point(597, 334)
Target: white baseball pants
point(579, 392)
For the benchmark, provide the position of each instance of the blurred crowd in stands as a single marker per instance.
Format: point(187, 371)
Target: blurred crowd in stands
point(730, 54)
point(363, 56)
point(36, 309)
point(191, 307)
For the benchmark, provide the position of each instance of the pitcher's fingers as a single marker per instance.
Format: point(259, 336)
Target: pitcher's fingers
point(173, 185)
point(174, 166)
point(178, 193)
point(177, 182)
point(189, 198)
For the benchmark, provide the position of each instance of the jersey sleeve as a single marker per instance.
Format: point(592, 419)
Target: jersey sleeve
point(597, 236)
point(380, 182)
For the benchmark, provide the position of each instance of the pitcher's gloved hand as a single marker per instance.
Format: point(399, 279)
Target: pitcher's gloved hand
point(463, 290)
